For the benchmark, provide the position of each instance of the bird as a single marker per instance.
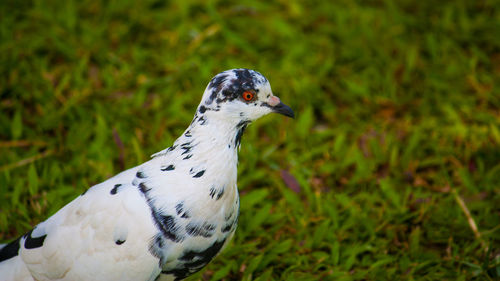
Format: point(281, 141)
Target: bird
point(164, 219)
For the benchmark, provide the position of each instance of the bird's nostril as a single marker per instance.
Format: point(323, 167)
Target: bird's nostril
point(274, 100)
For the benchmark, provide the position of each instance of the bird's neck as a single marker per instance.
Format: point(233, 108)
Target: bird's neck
point(213, 137)
point(210, 142)
point(211, 145)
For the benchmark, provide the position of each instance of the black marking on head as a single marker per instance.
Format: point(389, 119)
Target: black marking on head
point(243, 80)
point(140, 175)
point(144, 188)
point(119, 242)
point(168, 168)
point(114, 190)
point(10, 250)
point(216, 85)
point(218, 80)
point(199, 174)
point(228, 94)
point(33, 242)
point(195, 229)
point(202, 109)
point(245, 77)
point(194, 261)
point(187, 157)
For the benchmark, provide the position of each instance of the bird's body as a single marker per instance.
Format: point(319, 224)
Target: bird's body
point(162, 220)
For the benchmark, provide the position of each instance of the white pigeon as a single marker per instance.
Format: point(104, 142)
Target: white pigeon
point(164, 219)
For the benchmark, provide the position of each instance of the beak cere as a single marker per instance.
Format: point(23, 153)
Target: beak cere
point(278, 107)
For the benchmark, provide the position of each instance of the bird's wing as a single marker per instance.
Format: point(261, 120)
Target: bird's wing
point(104, 234)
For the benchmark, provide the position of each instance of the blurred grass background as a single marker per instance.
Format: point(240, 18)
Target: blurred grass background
point(397, 133)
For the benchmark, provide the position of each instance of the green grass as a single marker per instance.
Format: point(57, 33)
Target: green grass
point(398, 121)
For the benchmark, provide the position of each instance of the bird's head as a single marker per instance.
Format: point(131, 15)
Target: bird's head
point(241, 95)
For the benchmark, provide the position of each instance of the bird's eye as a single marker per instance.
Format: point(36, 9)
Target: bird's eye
point(248, 96)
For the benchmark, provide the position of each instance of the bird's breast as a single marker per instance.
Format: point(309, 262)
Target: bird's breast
point(194, 205)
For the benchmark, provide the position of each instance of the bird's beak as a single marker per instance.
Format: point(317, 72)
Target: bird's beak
point(279, 107)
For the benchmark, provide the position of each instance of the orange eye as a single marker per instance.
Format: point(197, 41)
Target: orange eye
point(248, 96)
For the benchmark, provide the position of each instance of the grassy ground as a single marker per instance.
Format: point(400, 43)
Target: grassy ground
point(393, 157)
